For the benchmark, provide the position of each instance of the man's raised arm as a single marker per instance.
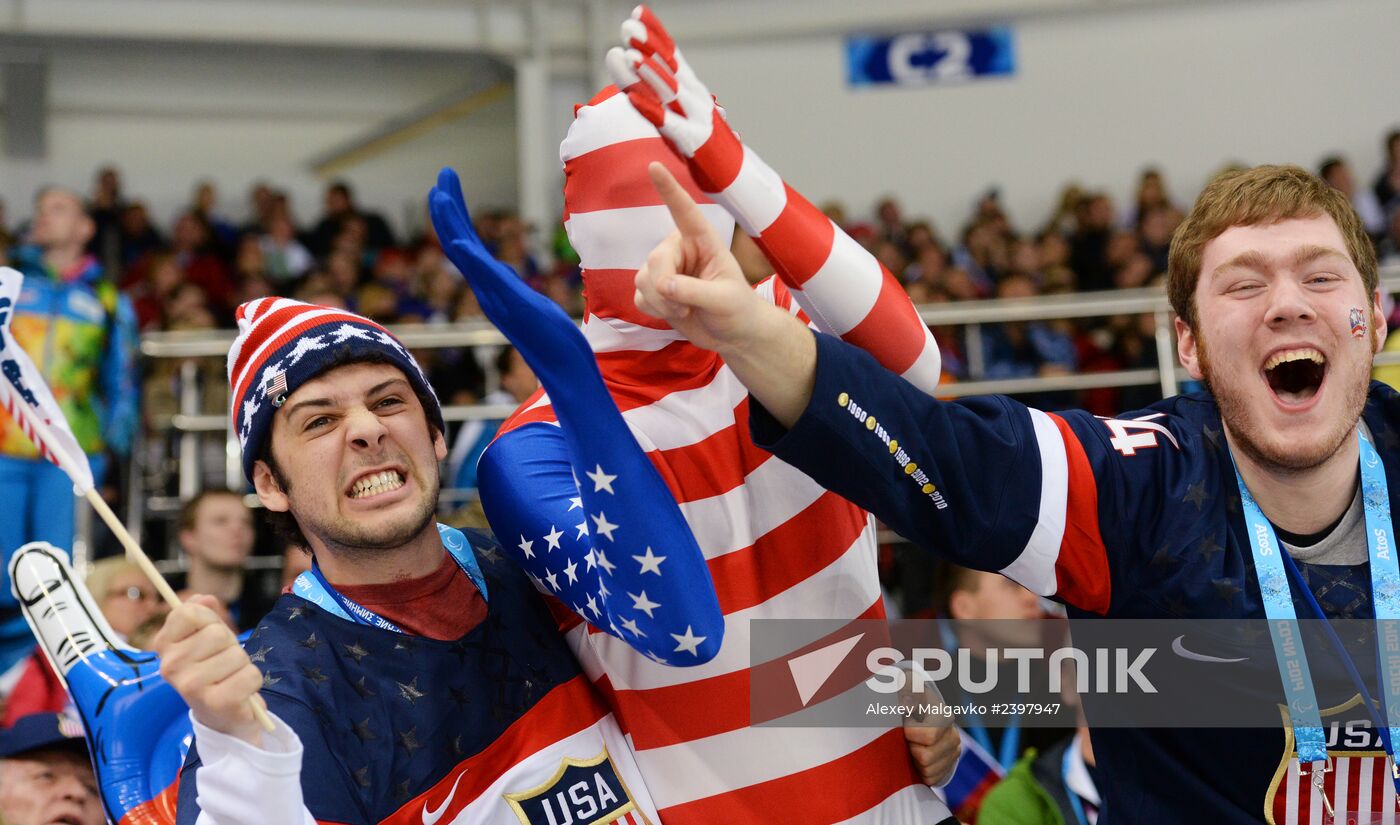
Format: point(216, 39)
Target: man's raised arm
point(692, 281)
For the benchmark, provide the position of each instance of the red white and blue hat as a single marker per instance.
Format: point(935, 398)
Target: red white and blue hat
point(282, 344)
point(42, 731)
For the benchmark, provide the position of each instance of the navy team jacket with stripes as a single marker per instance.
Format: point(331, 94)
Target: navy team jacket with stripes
point(496, 727)
point(1134, 517)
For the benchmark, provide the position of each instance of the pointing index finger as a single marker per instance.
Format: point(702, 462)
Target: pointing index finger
point(689, 219)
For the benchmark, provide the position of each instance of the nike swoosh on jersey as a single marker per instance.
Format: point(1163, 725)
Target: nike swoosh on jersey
point(430, 817)
point(1179, 649)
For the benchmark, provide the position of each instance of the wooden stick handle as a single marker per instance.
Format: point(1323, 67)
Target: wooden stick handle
point(137, 555)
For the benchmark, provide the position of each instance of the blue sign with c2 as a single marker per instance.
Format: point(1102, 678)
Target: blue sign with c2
point(923, 58)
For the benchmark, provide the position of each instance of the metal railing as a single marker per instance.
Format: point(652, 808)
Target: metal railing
point(193, 423)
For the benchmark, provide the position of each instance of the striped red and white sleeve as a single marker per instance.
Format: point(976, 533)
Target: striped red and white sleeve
point(837, 282)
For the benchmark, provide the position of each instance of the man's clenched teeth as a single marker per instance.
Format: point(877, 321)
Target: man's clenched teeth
point(1307, 353)
point(373, 485)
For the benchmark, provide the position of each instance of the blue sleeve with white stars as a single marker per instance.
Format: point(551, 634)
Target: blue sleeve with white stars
point(580, 506)
point(613, 545)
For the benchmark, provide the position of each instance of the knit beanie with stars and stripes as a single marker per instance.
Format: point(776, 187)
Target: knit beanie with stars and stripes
point(282, 344)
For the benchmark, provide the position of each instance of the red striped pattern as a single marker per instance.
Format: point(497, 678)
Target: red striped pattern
point(615, 177)
point(1081, 571)
point(835, 791)
point(1363, 800)
point(892, 311)
point(252, 352)
point(609, 295)
point(799, 240)
point(677, 388)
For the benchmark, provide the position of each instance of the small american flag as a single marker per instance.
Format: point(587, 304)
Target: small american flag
point(26, 396)
point(276, 385)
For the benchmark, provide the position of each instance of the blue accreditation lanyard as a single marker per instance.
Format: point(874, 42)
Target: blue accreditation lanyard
point(313, 587)
point(1273, 567)
point(1075, 805)
point(1011, 737)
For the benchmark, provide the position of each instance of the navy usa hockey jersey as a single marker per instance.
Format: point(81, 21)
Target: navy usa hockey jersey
point(1135, 517)
point(496, 728)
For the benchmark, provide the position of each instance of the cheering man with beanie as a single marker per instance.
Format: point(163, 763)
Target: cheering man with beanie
point(412, 671)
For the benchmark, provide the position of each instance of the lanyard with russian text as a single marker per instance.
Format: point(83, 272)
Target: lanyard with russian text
point(313, 587)
point(1270, 563)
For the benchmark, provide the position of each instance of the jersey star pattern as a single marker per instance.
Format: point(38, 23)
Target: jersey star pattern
point(495, 728)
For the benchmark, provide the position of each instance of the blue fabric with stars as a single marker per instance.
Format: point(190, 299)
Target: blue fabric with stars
point(1175, 543)
point(383, 717)
point(579, 506)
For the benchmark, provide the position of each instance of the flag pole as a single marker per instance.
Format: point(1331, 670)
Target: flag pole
point(134, 552)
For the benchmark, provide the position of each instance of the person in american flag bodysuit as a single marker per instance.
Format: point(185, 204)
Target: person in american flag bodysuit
point(776, 544)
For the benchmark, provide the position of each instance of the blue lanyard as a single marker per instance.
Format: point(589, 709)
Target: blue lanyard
point(1010, 740)
point(313, 587)
point(1273, 567)
point(1074, 804)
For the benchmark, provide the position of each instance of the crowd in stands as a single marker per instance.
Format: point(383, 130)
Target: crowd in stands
point(192, 273)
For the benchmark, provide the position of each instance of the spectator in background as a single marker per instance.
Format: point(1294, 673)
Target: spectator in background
point(1056, 786)
point(981, 611)
point(106, 208)
point(517, 384)
point(204, 206)
point(983, 255)
point(1088, 255)
point(37, 689)
point(438, 285)
point(889, 221)
point(1022, 349)
point(1066, 209)
point(339, 207)
point(215, 532)
point(1387, 185)
point(183, 305)
point(928, 268)
point(1155, 229)
point(162, 276)
point(890, 255)
point(1338, 175)
point(1388, 250)
point(1151, 194)
point(920, 236)
point(7, 238)
point(46, 775)
point(512, 236)
point(343, 275)
point(1052, 249)
point(261, 207)
point(81, 333)
point(127, 599)
point(193, 245)
point(284, 259)
point(139, 237)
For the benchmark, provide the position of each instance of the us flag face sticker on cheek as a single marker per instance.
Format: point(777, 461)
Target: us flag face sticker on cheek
point(1358, 322)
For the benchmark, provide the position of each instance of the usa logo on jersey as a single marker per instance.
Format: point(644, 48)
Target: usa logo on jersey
point(581, 792)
